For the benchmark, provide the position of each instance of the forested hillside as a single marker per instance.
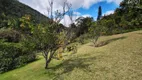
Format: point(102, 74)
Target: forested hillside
point(11, 10)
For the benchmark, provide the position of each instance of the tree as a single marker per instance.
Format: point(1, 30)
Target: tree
point(47, 39)
point(132, 11)
point(95, 32)
point(99, 13)
point(95, 29)
point(83, 25)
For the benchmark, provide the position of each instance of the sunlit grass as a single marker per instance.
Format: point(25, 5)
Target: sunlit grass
point(120, 59)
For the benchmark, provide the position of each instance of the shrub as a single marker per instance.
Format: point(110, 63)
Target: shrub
point(10, 35)
point(72, 47)
point(13, 55)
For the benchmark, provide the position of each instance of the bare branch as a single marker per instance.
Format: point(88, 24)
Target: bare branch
point(43, 54)
point(48, 11)
point(51, 8)
point(64, 11)
point(59, 15)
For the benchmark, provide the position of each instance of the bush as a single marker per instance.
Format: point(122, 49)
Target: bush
point(13, 55)
point(72, 47)
point(10, 35)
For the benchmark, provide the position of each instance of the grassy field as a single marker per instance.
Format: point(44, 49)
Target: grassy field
point(119, 59)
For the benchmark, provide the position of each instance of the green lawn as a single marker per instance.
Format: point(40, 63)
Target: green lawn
point(119, 59)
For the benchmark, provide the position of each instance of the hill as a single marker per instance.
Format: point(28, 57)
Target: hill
point(119, 59)
point(13, 9)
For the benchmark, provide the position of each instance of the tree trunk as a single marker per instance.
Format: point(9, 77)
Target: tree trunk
point(48, 59)
point(46, 65)
point(95, 40)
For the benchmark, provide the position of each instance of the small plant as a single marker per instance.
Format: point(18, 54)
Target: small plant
point(73, 48)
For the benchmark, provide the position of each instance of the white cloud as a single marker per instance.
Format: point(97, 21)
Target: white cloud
point(109, 12)
point(114, 1)
point(77, 13)
point(67, 21)
point(41, 5)
point(83, 3)
point(86, 15)
point(88, 3)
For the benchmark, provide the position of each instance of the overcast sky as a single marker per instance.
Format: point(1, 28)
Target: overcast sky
point(83, 8)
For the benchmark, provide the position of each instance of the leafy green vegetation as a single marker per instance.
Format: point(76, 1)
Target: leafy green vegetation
point(13, 29)
point(119, 59)
point(13, 55)
point(25, 32)
point(125, 18)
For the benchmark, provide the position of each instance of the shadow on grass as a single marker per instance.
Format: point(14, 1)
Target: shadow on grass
point(139, 33)
point(76, 62)
point(20, 66)
point(103, 43)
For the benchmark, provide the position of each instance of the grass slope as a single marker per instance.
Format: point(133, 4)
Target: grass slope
point(120, 59)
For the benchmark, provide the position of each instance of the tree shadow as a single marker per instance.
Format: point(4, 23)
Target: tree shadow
point(139, 33)
point(76, 62)
point(103, 43)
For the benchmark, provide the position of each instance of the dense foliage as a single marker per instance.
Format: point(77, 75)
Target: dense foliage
point(15, 24)
point(127, 17)
point(12, 53)
point(82, 26)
